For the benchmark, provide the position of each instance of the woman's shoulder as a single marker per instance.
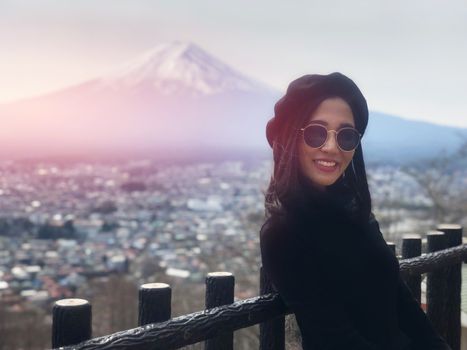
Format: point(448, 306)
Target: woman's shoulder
point(275, 232)
point(276, 227)
point(281, 238)
point(271, 230)
point(293, 227)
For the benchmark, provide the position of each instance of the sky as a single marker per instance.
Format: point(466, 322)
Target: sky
point(408, 57)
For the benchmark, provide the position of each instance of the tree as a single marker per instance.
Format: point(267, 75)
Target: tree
point(114, 303)
point(443, 180)
point(24, 327)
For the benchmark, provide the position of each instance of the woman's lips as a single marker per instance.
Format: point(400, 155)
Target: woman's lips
point(327, 166)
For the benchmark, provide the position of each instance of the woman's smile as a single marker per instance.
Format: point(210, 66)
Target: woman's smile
point(325, 165)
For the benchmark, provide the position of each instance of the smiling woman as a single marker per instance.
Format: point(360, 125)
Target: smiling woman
point(320, 237)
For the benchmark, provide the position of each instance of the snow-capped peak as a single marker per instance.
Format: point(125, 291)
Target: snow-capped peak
point(170, 67)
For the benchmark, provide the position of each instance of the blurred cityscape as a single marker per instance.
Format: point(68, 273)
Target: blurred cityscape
point(93, 229)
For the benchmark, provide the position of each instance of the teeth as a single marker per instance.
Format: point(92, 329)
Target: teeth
point(324, 163)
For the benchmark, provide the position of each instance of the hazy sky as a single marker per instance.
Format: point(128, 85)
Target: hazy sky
point(408, 57)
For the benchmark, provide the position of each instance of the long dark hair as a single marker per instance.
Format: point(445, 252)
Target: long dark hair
point(287, 190)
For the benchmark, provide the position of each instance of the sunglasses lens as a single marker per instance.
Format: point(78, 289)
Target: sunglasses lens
point(315, 135)
point(348, 139)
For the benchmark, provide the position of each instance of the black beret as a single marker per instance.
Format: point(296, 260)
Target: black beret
point(316, 88)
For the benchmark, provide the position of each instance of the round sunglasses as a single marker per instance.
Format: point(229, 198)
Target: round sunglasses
point(316, 135)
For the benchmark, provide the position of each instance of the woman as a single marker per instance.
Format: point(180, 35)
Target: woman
point(320, 245)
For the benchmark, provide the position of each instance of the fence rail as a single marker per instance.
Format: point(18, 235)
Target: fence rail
point(216, 324)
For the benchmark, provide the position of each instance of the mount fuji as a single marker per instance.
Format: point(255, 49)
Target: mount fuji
point(178, 101)
point(173, 99)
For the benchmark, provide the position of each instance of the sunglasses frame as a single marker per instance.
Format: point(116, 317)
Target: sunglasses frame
point(327, 136)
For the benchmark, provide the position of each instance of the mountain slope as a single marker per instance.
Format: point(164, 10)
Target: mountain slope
point(392, 139)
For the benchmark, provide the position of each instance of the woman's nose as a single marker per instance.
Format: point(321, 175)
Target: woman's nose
point(331, 142)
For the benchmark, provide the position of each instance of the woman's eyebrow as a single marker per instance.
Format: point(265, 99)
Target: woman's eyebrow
point(346, 124)
point(322, 122)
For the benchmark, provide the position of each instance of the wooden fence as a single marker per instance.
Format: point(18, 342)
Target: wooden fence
point(216, 325)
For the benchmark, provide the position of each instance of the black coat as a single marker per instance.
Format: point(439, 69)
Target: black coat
point(342, 282)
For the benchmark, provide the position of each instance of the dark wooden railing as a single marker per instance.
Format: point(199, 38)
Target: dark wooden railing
point(215, 325)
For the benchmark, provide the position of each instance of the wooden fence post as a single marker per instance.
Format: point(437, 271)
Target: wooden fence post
point(155, 301)
point(437, 285)
point(71, 322)
point(219, 291)
point(454, 281)
point(392, 246)
point(412, 247)
point(272, 332)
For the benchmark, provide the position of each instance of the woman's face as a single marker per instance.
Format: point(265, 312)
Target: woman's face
point(323, 166)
